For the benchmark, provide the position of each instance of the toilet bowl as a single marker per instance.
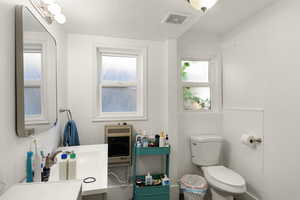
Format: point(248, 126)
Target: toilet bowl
point(224, 183)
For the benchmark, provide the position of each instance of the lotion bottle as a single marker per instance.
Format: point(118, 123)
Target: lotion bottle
point(72, 166)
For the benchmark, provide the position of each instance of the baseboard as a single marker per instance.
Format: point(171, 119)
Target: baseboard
point(247, 196)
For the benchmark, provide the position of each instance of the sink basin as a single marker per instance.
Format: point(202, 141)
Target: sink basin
point(63, 190)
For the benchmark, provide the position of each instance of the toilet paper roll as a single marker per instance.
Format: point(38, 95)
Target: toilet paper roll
point(248, 140)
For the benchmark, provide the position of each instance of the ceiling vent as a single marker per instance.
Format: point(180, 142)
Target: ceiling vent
point(172, 18)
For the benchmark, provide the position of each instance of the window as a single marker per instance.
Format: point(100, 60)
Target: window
point(33, 81)
point(196, 85)
point(121, 84)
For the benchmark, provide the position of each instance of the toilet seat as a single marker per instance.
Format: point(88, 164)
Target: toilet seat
point(225, 179)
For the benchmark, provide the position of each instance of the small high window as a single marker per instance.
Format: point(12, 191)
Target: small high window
point(196, 85)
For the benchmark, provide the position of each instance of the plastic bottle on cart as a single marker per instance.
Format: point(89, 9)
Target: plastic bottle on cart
point(165, 180)
point(148, 179)
point(162, 139)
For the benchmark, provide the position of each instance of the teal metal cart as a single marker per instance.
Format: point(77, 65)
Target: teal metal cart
point(151, 192)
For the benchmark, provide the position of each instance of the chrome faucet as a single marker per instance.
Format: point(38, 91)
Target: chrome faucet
point(51, 159)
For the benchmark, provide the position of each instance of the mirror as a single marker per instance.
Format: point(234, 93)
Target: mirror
point(36, 75)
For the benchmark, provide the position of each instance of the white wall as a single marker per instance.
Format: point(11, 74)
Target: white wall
point(171, 88)
point(12, 148)
point(261, 84)
point(81, 49)
point(199, 46)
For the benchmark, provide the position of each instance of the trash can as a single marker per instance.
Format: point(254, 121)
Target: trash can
point(194, 187)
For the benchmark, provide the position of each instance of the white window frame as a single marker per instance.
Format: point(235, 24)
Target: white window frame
point(38, 45)
point(212, 84)
point(141, 83)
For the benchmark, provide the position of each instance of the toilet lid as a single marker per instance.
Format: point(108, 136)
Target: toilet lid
point(225, 175)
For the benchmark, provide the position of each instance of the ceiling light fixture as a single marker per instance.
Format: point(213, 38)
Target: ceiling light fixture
point(203, 5)
point(49, 10)
point(54, 9)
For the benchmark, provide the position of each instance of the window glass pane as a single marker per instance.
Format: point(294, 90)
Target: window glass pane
point(194, 71)
point(119, 99)
point(118, 68)
point(32, 101)
point(196, 98)
point(32, 66)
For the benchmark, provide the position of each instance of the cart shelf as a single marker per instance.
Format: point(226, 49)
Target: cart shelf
point(159, 192)
point(152, 151)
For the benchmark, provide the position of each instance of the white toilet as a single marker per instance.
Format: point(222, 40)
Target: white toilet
point(224, 183)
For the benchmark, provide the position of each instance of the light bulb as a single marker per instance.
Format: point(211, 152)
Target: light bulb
point(60, 18)
point(203, 5)
point(48, 2)
point(54, 9)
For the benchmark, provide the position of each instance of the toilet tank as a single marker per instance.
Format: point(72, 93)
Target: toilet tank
point(206, 149)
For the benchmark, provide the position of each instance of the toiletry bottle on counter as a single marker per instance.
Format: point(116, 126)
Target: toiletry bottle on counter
point(148, 179)
point(46, 169)
point(72, 166)
point(63, 167)
point(29, 176)
point(38, 168)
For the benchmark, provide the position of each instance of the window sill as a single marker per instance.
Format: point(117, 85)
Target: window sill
point(37, 122)
point(119, 118)
point(202, 112)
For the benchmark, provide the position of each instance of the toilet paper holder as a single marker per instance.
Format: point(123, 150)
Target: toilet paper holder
point(256, 140)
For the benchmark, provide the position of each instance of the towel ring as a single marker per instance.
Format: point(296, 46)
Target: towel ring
point(69, 114)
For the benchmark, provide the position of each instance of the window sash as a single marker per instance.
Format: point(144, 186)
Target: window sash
point(101, 112)
point(210, 94)
point(209, 72)
point(119, 84)
point(141, 56)
point(34, 47)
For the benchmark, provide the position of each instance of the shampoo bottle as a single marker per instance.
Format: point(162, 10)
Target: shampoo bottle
point(63, 167)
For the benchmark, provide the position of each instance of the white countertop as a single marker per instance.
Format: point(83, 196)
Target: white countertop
point(63, 190)
point(92, 161)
